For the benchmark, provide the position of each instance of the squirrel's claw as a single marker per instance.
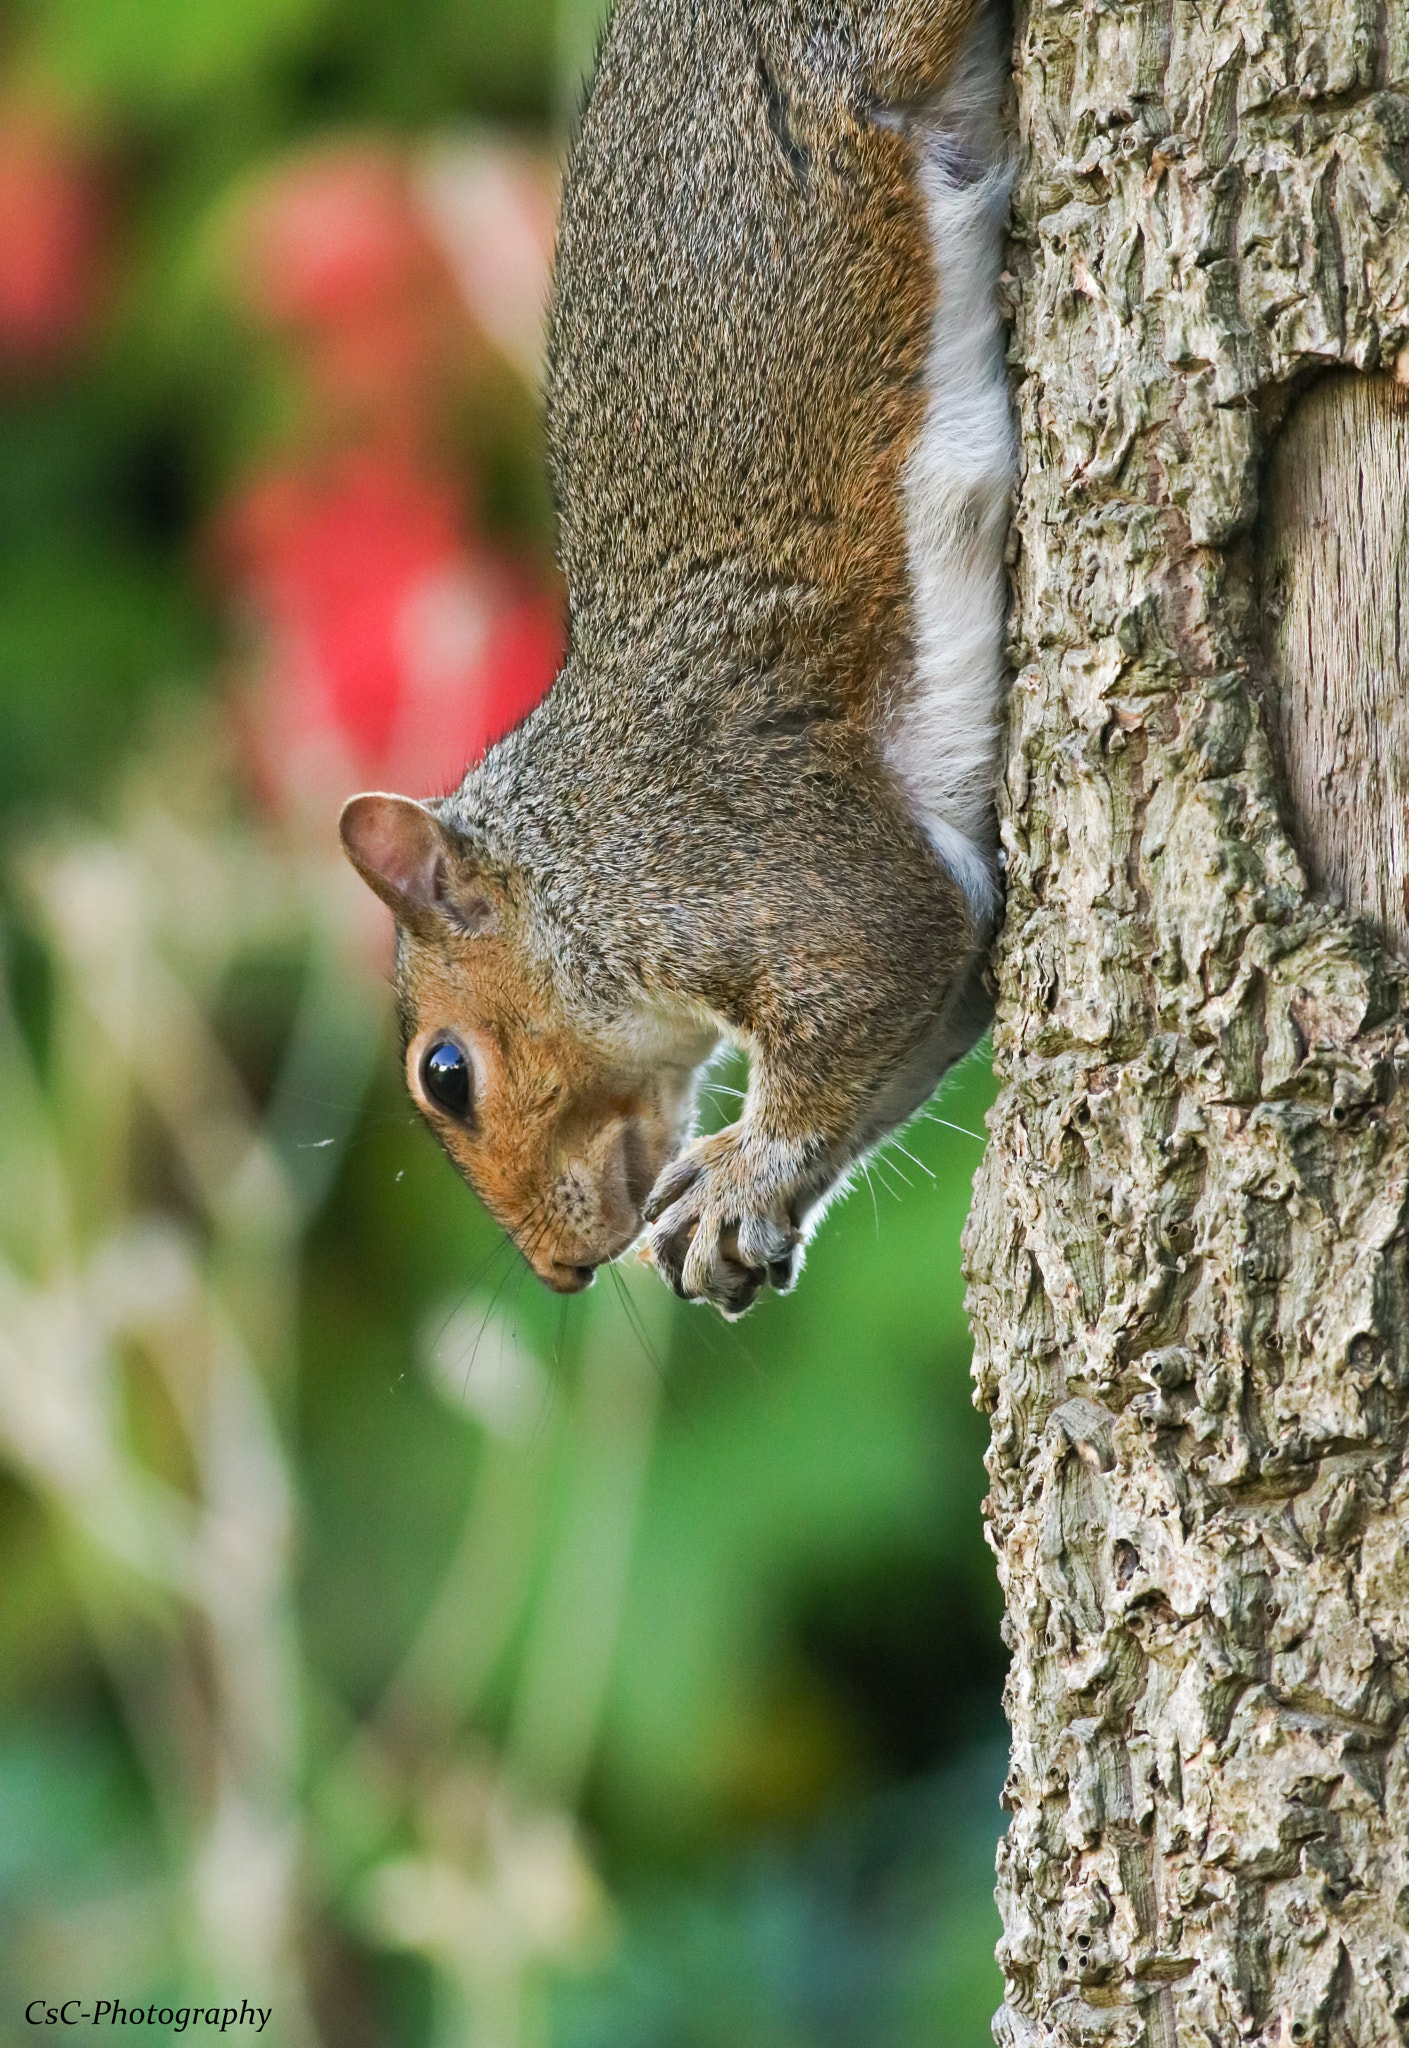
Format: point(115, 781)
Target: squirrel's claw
point(675, 1178)
point(719, 1233)
point(702, 1264)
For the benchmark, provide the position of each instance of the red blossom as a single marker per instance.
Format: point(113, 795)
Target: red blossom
point(392, 651)
point(52, 222)
point(393, 648)
point(336, 254)
point(334, 238)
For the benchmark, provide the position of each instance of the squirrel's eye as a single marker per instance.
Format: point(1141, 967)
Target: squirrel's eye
point(445, 1076)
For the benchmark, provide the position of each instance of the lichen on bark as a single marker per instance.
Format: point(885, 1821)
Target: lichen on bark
point(1189, 1250)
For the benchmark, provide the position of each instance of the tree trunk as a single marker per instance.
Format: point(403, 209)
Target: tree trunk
point(1189, 1251)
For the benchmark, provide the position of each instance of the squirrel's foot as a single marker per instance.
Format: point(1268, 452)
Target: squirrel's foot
point(722, 1220)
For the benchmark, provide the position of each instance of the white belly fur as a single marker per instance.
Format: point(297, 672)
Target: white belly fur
point(942, 744)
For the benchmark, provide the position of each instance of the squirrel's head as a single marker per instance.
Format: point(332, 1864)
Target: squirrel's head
point(561, 1136)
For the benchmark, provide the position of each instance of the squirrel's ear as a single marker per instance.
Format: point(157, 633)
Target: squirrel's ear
point(422, 871)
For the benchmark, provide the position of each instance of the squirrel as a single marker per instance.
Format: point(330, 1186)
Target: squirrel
point(756, 806)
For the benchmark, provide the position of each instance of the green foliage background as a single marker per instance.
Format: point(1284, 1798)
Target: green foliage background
point(787, 1783)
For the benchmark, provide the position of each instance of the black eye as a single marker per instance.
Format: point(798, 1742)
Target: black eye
point(445, 1076)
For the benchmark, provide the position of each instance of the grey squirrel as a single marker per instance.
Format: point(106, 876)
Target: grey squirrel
point(756, 806)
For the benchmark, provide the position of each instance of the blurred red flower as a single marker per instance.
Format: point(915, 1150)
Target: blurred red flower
point(53, 215)
point(335, 237)
point(337, 255)
point(393, 652)
point(393, 646)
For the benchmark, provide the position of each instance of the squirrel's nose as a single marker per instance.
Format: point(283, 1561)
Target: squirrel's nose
point(568, 1279)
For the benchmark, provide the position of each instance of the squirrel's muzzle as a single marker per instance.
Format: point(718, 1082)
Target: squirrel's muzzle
point(566, 1279)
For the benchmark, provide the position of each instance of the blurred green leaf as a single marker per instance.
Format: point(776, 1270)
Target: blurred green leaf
point(463, 57)
point(97, 603)
point(876, 1930)
point(151, 54)
point(68, 1806)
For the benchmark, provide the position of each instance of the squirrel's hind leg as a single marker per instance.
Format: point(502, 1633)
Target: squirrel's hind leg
point(916, 55)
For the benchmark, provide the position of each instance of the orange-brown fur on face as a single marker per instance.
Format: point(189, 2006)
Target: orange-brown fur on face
point(563, 1140)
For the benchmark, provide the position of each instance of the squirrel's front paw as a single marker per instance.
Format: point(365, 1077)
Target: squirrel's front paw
point(722, 1224)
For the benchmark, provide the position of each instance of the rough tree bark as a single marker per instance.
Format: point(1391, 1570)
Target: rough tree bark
point(1189, 1252)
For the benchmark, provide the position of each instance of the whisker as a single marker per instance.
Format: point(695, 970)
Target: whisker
point(503, 1244)
point(871, 1191)
point(364, 1112)
point(897, 1146)
point(634, 1322)
point(506, 1244)
point(731, 1333)
point(962, 1129)
point(704, 1327)
point(490, 1306)
point(516, 1297)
